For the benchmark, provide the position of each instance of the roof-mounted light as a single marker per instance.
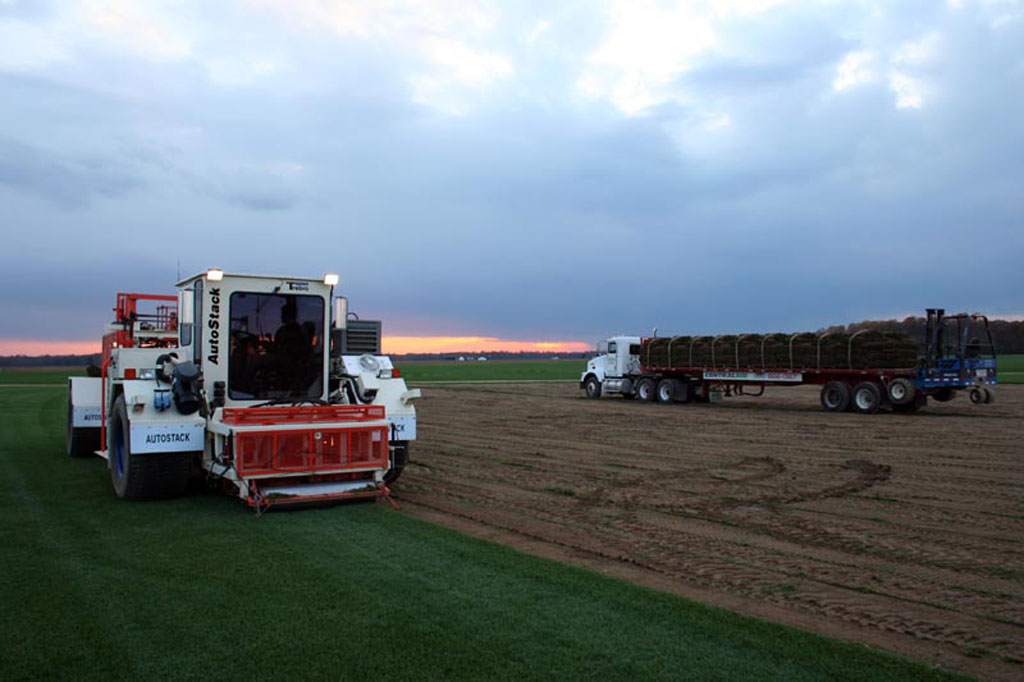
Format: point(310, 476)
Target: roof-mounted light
point(214, 274)
point(331, 280)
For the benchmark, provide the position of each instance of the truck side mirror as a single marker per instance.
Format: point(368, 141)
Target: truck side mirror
point(340, 312)
point(186, 306)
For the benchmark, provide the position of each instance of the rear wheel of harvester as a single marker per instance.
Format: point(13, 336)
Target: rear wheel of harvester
point(944, 394)
point(592, 387)
point(142, 477)
point(646, 389)
point(399, 457)
point(867, 398)
point(835, 396)
point(81, 442)
point(901, 391)
point(667, 391)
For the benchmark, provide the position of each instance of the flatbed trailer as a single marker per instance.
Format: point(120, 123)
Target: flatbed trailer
point(954, 359)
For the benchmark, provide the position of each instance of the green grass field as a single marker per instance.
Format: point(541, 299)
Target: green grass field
point(198, 587)
point(494, 370)
point(42, 375)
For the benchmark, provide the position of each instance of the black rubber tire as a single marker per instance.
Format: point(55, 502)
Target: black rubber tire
point(667, 391)
point(81, 442)
point(646, 390)
point(835, 396)
point(592, 387)
point(944, 394)
point(901, 391)
point(142, 477)
point(399, 457)
point(990, 397)
point(866, 397)
point(976, 396)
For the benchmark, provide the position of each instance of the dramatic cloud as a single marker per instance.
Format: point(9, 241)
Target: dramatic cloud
point(555, 171)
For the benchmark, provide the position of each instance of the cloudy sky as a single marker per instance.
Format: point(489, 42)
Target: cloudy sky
point(523, 171)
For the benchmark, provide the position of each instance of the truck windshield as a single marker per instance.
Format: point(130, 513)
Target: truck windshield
point(276, 347)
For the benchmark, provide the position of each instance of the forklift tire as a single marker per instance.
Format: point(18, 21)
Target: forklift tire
point(866, 397)
point(906, 408)
point(901, 391)
point(835, 396)
point(142, 477)
point(944, 394)
point(82, 442)
point(399, 458)
point(592, 387)
point(646, 390)
point(976, 396)
point(990, 397)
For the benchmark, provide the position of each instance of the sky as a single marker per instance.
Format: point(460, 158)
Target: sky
point(506, 174)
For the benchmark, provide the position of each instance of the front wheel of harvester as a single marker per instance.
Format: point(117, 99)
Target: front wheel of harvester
point(835, 396)
point(667, 391)
point(142, 477)
point(399, 457)
point(977, 396)
point(81, 442)
point(867, 398)
point(592, 387)
point(646, 389)
point(902, 391)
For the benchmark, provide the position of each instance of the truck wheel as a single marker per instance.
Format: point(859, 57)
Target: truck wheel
point(902, 391)
point(399, 458)
point(142, 477)
point(835, 396)
point(82, 442)
point(976, 396)
point(866, 397)
point(944, 394)
point(645, 390)
point(667, 391)
point(592, 387)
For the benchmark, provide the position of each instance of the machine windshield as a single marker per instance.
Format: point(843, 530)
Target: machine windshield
point(276, 347)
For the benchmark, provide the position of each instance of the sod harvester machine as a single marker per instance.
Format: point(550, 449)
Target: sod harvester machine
point(261, 384)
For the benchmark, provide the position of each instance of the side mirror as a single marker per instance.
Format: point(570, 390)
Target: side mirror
point(340, 312)
point(186, 306)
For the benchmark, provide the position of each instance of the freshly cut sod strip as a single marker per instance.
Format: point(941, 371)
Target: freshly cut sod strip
point(94, 587)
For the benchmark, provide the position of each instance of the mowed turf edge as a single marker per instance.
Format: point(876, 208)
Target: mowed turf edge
point(198, 587)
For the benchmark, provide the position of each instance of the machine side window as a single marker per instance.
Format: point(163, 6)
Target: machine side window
point(197, 324)
point(277, 347)
point(634, 349)
point(612, 346)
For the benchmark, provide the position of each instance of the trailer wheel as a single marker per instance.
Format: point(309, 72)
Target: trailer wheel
point(976, 396)
point(646, 389)
point(902, 391)
point(835, 396)
point(667, 391)
point(944, 394)
point(142, 477)
point(82, 442)
point(592, 387)
point(867, 398)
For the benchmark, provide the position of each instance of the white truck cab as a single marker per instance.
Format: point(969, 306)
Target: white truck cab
point(614, 369)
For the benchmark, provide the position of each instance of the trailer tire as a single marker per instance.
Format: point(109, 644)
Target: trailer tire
point(142, 477)
point(646, 390)
point(866, 397)
point(835, 396)
point(976, 396)
point(902, 391)
point(944, 394)
point(592, 387)
point(667, 391)
point(82, 442)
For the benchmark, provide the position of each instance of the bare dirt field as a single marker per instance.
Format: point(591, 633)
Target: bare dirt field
point(905, 532)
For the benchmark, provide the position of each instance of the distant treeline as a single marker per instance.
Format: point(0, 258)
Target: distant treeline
point(49, 360)
point(499, 355)
point(1008, 337)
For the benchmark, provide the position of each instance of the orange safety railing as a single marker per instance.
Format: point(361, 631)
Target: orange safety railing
point(301, 414)
point(310, 450)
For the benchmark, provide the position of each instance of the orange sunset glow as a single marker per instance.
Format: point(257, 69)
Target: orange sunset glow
point(396, 345)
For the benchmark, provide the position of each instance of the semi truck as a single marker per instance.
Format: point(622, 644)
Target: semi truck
point(260, 384)
point(866, 371)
